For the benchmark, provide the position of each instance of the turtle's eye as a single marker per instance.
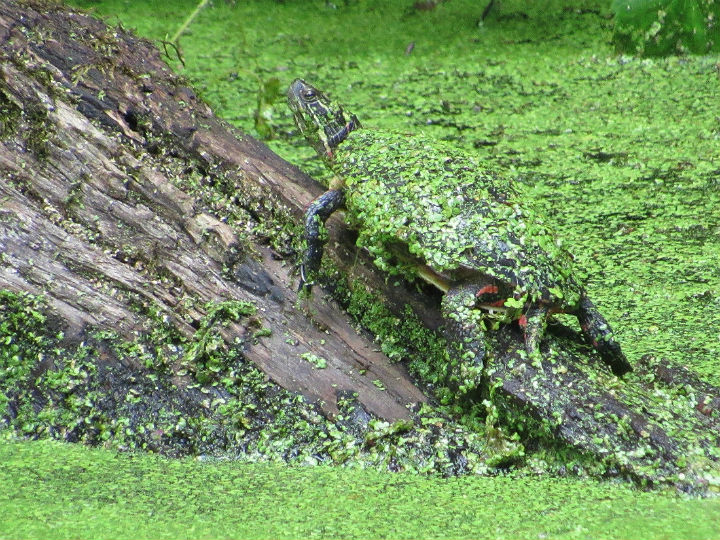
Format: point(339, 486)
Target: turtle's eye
point(309, 94)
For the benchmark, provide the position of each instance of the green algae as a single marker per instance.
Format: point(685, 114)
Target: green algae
point(194, 396)
point(20, 316)
point(62, 491)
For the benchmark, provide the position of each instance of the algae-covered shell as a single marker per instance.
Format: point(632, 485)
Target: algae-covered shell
point(419, 201)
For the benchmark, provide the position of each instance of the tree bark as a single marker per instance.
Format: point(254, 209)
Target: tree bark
point(98, 139)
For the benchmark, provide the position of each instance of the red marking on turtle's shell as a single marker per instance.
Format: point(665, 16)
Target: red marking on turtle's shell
point(487, 289)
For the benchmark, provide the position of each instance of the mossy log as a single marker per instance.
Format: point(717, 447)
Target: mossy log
point(98, 143)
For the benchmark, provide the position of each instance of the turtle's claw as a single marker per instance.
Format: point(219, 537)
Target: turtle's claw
point(304, 285)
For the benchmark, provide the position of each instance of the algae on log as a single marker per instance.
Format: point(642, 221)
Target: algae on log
point(98, 140)
point(658, 425)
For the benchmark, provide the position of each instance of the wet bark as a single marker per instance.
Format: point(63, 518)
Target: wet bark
point(98, 139)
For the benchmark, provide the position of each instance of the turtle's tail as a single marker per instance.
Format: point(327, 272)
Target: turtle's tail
point(598, 332)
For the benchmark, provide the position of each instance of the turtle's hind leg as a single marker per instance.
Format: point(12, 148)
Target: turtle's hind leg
point(598, 331)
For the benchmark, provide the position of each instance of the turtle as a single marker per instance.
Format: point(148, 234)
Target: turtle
point(425, 209)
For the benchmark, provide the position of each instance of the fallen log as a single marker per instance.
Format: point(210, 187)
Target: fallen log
point(97, 133)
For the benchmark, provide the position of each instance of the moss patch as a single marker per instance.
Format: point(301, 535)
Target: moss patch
point(198, 396)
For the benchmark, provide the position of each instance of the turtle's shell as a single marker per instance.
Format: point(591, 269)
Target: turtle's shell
point(414, 199)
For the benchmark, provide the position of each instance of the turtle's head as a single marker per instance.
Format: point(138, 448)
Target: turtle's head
point(323, 123)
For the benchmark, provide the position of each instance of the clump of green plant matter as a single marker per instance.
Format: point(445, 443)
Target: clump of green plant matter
point(661, 27)
point(179, 396)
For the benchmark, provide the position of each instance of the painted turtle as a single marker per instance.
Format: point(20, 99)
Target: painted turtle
point(425, 209)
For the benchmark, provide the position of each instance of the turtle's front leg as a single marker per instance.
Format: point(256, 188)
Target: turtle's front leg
point(465, 337)
point(317, 213)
